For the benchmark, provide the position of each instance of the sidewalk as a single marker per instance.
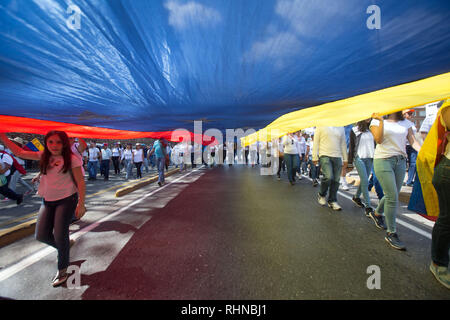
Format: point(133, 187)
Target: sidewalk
point(17, 222)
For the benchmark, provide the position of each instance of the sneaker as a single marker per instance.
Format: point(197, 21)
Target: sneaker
point(368, 211)
point(299, 176)
point(441, 274)
point(278, 177)
point(378, 220)
point(335, 206)
point(358, 202)
point(60, 278)
point(159, 183)
point(322, 200)
point(315, 183)
point(20, 200)
point(394, 241)
point(345, 187)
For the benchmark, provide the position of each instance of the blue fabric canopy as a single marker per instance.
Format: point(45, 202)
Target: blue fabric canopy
point(148, 65)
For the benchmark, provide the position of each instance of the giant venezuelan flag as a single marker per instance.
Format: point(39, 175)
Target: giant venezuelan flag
point(147, 68)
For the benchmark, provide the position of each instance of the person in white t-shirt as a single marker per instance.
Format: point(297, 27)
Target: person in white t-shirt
point(6, 161)
point(410, 152)
point(330, 149)
point(390, 168)
point(127, 160)
point(290, 152)
point(16, 177)
point(78, 147)
point(115, 157)
point(281, 164)
point(138, 159)
point(63, 191)
point(301, 147)
point(106, 161)
point(94, 157)
point(361, 152)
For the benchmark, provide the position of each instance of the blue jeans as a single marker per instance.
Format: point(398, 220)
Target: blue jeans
point(364, 168)
point(128, 169)
point(160, 164)
point(412, 156)
point(291, 161)
point(331, 168)
point(92, 168)
point(390, 172)
point(314, 170)
point(146, 164)
point(105, 168)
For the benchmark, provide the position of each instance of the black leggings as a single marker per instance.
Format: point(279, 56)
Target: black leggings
point(115, 161)
point(52, 226)
point(138, 167)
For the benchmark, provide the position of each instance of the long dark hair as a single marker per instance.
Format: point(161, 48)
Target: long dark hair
point(398, 116)
point(363, 126)
point(66, 152)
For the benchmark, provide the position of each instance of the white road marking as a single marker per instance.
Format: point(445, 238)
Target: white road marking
point(28, 261)
point(398, 220)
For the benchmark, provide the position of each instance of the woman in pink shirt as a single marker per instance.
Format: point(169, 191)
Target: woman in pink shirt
point(63, 191)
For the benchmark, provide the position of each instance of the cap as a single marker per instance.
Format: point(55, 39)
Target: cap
point(408, 111)
point(18, 140)
point(105, 144)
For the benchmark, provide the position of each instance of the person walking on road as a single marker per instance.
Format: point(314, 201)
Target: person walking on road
point(138, 159)
point(390, 169)
point(106, 161)
point(116, 155)
point(127, 159)
point(94, 157)
point(330, 151)
point(361, 152)
point(434, 161)
point(63, 191)
point(159, 151)
point(6, 162)
point(291, 157)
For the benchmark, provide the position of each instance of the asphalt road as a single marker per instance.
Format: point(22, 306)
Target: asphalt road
point(226, 234)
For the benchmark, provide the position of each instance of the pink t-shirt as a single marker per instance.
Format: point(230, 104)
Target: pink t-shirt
point(56, 185)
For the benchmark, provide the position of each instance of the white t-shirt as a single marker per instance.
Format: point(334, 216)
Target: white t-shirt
point(116, 152)
point(127, 154)
point(311, 145)
point(6, 159)
point(56, 185)
point(280, 147)
point(106, 154)
point(301, 145)
point(394, 140)
point(366, 147)
point(138, 154)
point(330, 142)
point(289, 144)
point(408, 124)
point(93, 154)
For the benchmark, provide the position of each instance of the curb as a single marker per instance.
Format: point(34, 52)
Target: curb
point(27, 228)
